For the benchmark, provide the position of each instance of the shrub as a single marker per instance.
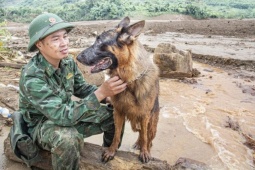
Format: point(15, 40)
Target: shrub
point(5, 36)
point(196, 11)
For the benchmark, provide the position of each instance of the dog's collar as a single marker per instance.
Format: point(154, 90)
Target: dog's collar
point(140, 76)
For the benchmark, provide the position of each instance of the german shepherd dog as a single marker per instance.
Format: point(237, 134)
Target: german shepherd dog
point(119, 51)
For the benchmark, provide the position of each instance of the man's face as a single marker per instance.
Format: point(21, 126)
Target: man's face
point(54, 47)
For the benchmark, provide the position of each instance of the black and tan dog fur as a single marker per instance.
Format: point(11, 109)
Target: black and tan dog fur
point(119, 51)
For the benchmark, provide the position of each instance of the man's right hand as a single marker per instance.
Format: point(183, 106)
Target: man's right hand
point(110, 88)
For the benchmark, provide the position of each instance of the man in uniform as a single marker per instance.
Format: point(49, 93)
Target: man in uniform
point(55, 122)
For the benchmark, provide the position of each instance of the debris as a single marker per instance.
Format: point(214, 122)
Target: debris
point(208, 91)
point(8, 122)
point(208, 70)
point(5, 103)
point(195, 72)
point(5, 112)
point(1, 129)
point(2, 85)
point(250, 143)
point(12, 65)
point(14, 87)
point(188, 80)
point(234, 125)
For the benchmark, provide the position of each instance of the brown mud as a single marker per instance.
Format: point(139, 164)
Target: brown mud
point(202, 118)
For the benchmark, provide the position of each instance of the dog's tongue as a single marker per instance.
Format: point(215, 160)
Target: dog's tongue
point(92, 68)
point(101, 65)
point(97, 68)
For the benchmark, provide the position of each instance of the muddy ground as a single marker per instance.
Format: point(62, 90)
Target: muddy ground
point(202, 118)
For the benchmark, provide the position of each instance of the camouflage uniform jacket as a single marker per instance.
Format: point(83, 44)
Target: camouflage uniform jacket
point(46, 92)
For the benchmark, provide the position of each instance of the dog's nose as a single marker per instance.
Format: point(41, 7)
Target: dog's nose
point(83, 58)
point(80, 58)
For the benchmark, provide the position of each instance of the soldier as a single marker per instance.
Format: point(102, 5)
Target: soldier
point(55, 122)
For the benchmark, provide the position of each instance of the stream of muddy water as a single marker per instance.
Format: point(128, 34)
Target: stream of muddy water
point(196, 117)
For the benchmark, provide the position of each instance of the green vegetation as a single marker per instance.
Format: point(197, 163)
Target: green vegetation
point(5, 36)
point(78, 10)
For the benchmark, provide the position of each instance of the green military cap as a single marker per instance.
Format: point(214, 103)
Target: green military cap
point(44, 25)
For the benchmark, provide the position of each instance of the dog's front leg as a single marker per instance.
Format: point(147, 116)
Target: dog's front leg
point(144, 152)
point(109, 153)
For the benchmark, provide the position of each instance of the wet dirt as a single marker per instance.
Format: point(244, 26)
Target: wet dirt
point(194, 111)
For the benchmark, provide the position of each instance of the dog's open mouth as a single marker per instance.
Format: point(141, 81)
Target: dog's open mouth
point(101, 65)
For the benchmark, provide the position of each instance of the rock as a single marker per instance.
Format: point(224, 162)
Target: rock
point(95, 33)
point(208, 70)
point(189, 164)
point(95, 78)
point(172, 62)
point(91, 154)
point(195, 72)
point(90, 159)
point(2, 85)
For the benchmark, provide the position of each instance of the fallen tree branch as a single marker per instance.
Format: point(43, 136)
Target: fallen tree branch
point(6, 104)
point(11, 65)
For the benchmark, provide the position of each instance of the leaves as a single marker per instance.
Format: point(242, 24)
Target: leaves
point(77, 10)
point(5, 35)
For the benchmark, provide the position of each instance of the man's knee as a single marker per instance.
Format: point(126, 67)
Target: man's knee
point(51, 136)
point(66, 144)
point(66, 138)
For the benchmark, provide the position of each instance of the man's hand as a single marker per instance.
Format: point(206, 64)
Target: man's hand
point(110, 88)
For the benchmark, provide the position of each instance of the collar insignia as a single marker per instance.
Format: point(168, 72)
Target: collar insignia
point(69, 75)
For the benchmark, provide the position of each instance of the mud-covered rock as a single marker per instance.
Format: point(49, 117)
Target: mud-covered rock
point(189, 164)
point(173, 63)
point(91, 159)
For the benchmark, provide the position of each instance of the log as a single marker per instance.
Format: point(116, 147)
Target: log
point(91, 159)
point(11, 65)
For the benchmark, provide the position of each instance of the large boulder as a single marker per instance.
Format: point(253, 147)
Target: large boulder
point(173, 63)
point(91, 159)
point(91, 154)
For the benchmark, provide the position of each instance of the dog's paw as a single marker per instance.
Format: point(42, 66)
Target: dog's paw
point(136, 146)
point(144, 156)
point(107, 155)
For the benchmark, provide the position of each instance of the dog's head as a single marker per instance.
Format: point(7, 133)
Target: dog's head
point(113, 47)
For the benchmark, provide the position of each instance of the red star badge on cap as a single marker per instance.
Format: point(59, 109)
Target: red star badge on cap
point(52, 20)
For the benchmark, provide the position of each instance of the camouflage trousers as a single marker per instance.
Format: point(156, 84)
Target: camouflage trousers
point(65, 143)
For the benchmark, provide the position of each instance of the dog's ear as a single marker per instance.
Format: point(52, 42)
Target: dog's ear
point(136, 29)
point(131, 32)
point(123, 23)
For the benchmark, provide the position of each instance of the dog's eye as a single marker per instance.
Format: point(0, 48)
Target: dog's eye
point(103, 47)
point(98, 40)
